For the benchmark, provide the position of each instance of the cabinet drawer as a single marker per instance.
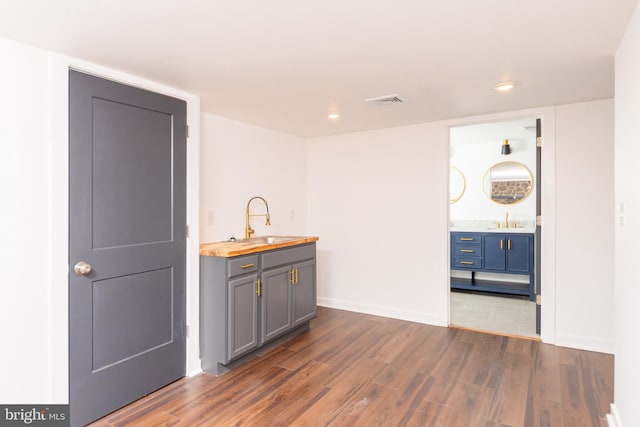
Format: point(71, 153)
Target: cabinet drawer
point(464, 250)
point(467, 238)
point(242, 265)
point(288, 256)
point(467, 262)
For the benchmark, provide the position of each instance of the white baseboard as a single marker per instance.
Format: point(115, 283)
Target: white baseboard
point(194, 372)
point(586, 343)
point(612, 419)
point(411, 316)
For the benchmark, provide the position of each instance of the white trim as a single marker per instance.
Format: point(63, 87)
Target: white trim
point(612, 418)
point(194, 372)
point(59, 107)
point(548, 266)
point(59, 226)
point(382, 311)
point(586, 343)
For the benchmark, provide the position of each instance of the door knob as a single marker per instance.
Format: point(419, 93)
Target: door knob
point(82, 268)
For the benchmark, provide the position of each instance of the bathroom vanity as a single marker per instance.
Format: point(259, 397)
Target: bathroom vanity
point(493, 252)
point(253, 292)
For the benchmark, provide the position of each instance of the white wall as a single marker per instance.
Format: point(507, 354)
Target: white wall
point(239, 161)
point(584, 221)
point(34, 295)
point(379, 202)
point(26, 262)
point(627, 228)
point(476, 148)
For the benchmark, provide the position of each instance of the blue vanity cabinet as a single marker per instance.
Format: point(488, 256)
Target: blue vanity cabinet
point(466, 251)
point(511, 253)
point(520, 251)
point(495, 255)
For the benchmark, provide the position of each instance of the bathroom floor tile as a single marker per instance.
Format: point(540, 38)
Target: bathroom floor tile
point(489, 312)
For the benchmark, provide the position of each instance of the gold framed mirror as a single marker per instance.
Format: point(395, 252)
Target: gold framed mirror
point(507, 183)
point(457, 184)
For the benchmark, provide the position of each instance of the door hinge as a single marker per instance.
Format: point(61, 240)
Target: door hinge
point(186, 231)
point(539, 142)
point(186, 331)
point(538, 299)
point(539, 220)
point(187, 131)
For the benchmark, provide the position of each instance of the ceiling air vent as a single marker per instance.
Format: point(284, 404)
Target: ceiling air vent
point(386, 100)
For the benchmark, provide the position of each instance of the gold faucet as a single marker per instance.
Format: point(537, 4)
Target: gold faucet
point(506, 220)
point(248, 231)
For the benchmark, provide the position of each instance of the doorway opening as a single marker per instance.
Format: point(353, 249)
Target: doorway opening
point(492, 217)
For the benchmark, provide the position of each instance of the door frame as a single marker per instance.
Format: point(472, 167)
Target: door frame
point(58, 241)
point(548, 200)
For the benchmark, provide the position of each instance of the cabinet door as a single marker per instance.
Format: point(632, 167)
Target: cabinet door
point(518, 254)
point(494, 251)
point(242, 322)
point(275, 303)
point(304, 292)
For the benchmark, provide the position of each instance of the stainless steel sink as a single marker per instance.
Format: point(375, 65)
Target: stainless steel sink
point(268, 240)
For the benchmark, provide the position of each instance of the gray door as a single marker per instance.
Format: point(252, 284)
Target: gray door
point(538, 239)
point(127, 215)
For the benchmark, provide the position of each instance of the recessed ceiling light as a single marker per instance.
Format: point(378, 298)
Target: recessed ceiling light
point(333, 116)
point(504, 86)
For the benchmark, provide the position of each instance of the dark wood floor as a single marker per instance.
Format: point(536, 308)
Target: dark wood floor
point(356, 369)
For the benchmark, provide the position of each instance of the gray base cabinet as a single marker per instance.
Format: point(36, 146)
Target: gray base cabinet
point(304, 292)
point(275, 302)
point(242, 320)
point(250, 300)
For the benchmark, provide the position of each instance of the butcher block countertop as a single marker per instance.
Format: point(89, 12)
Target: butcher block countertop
point(255, 244)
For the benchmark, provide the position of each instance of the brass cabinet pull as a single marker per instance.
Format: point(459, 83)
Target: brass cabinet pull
point(247, 265)
point(467, 262)
point(509, 244)
point(466, 239)
point(259, 290)
point(470, 251)
point(294, 276)
point(501, 244)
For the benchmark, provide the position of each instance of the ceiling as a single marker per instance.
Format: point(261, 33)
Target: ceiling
point(284, 64)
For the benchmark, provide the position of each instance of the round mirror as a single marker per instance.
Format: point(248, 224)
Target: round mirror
point(457, 184)
point(507, 183)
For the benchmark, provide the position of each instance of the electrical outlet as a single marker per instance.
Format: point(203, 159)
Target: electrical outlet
point(209, 217)
point(292, 214)
point(621, 214)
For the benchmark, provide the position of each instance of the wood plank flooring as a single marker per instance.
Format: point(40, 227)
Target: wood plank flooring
point(354, 369)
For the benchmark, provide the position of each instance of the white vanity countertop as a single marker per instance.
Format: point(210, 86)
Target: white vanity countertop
point(484, 226)
point(476, 229)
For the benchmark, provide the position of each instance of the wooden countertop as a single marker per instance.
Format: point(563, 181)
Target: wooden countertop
point(243, 247)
